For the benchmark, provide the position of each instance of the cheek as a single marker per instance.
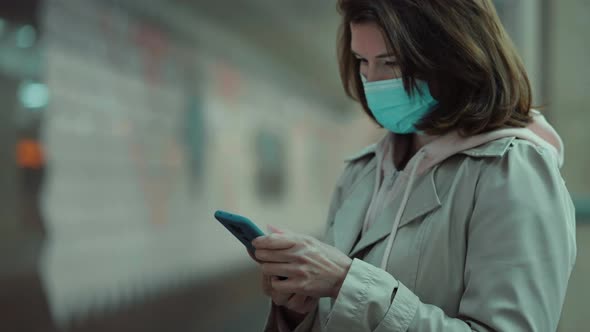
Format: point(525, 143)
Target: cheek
point(380, 72)
point(364, 69)
point(388, 72)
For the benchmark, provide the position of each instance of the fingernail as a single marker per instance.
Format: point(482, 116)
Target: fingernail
point(273, 229)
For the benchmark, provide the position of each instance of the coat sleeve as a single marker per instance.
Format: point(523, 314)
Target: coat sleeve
point(275, 321)
point(520, 253)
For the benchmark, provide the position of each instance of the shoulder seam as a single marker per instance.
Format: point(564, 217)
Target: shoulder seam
point(361, 154)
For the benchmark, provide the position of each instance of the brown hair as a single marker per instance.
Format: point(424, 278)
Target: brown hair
point(459, 47)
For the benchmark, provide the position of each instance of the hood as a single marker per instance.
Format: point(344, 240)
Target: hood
point(539, 132)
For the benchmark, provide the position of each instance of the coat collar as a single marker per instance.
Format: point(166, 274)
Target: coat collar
point(366, 151)
point(349, 218)
point(423, 199)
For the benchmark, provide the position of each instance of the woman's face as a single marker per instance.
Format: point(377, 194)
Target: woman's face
point(369, 47)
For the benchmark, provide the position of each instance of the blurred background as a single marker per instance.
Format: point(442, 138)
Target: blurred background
point(125, 124)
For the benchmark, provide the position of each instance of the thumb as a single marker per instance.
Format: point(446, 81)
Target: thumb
point(273, 229)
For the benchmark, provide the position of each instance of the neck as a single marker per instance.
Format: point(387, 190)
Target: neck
point(407, 146)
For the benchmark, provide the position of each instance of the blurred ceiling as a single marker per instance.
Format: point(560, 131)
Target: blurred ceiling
point(299, 35)
point(294, 41)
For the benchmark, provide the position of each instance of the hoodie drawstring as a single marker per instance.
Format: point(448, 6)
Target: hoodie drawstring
point(400, 211)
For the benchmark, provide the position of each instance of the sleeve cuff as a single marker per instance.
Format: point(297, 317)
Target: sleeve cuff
point(364, 298)
point(364, 303)
point(402, 310)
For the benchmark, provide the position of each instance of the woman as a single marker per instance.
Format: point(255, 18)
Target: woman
point(458, 220)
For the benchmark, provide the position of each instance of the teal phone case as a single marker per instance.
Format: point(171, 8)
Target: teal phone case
point(241, 227)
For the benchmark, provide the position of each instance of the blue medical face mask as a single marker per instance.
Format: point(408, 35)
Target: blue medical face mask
point(393, 108)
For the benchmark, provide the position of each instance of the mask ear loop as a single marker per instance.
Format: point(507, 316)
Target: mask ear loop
point(363, 78)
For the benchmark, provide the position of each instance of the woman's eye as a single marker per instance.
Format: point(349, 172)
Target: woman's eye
point(391, 64)
point(362, 60)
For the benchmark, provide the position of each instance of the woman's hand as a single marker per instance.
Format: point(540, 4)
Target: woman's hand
point(312, 268)
point(298, 305)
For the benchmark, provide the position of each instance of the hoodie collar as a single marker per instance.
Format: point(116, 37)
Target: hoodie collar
point(495, 148)
point(491, 144)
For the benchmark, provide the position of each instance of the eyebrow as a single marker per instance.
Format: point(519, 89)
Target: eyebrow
point(380, 56)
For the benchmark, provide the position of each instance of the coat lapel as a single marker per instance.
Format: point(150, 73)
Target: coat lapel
point(349, 218)
point(423, 199)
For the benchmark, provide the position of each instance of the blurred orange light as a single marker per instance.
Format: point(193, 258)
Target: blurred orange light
point(29, 154)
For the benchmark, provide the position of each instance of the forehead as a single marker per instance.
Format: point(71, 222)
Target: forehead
point(367, 39)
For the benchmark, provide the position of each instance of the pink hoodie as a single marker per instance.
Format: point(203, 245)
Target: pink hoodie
point(387, 187)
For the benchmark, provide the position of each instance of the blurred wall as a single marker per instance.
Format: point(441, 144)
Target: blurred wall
point(153, 125)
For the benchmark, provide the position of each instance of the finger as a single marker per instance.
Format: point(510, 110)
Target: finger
point(274, 242)
point(279, 298)
point(279, 230)
point(285, 286)
point(277, 269)
point(253, 256)
point(273, 229)
point(273, 256)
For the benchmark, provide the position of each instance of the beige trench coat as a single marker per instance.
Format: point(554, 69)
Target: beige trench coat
point(486, 243)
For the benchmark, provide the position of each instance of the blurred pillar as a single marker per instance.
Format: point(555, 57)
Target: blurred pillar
point(569, 82)
point(523, 21)
point(23, 302)
point(568, 85)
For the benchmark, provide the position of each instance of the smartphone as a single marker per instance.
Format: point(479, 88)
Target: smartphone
point(241, 227)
